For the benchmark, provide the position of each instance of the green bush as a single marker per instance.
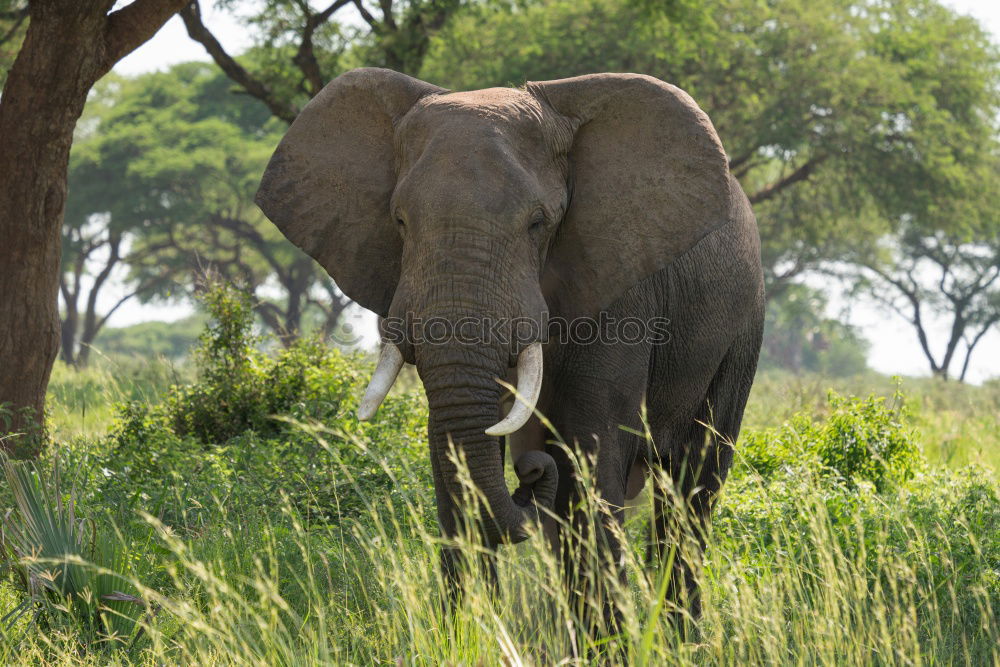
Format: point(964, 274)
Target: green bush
point(866, 439)
point(862, 439)
point(256, 426)
point(942, 526)
point(233, 393)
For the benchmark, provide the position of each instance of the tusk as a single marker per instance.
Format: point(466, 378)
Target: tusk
point(389, 363)
point(529, 385)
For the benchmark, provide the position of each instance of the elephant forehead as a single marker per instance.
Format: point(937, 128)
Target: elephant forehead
point(475, 116)
point(485, 176)
point(496, 103)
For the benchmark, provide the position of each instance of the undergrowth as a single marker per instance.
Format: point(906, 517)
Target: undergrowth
point(246, 516)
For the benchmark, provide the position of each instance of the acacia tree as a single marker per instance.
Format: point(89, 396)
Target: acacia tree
point(824, 106)
point(940, 255)
point(96, 245)
point(170, 162)
point(943, 266)
point(67, 46)
point(81, 244)
point(940, 275)
point(301, 47)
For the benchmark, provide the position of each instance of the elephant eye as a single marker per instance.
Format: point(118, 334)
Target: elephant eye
point(537, 221)
point(399, 221)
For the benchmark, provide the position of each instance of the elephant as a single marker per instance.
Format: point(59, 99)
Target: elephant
point(598, 197)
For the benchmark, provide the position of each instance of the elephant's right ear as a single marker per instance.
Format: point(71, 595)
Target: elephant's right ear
point(328, 184)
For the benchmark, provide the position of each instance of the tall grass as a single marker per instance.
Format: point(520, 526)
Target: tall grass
point(957, 424)
point(81, 402)
point(306, 537)
point(866, 579)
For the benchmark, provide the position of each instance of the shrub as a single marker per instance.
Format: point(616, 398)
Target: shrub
point(232, 390)
point(254, 426)
point(861, 440)
point(867, 439)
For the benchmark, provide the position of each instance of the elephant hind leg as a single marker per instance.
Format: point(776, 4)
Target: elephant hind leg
point(697, 464)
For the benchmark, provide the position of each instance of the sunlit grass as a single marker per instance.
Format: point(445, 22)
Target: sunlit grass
point(81, 401)
point(874, 583)
point(956, 424)
point(242, 568)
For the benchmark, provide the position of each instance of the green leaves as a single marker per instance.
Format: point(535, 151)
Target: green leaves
point(254, 425)
point(862, 440)
point(72, 577)
point(885, 105)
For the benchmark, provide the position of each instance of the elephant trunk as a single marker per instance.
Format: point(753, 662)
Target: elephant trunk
point(463, 397)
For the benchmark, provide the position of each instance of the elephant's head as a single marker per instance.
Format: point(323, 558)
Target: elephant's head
point(495, 204)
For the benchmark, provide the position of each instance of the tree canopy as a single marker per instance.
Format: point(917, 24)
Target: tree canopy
point(864, 132)
point(171, 161)
point(852, 125)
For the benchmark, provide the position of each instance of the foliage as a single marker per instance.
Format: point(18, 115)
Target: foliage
point(861, 440)
point(81, 401)
point(244, 429)
point(848, 124)
point(797, 337)
point(298, 47)
point(72, 578)
point(926, 552)
point(244, 501)
point(954, 424)
point(22, 436)
point(312, 540)
point(841, 119)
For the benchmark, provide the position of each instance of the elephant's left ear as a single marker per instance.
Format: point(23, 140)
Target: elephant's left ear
point(650, 179)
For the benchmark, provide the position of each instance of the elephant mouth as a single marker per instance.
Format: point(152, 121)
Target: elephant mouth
point(530, 370)
point(460, 401)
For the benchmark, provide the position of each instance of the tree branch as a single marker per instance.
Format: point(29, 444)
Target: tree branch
point(197, 31)
point(271, 316)
point(970, 346)
point(366, 15)
point(132, 25)
point(90, 316)
point(143, 287)
point(800, 174)
point(387, 18)
point(912, 295)
point(305, 57)
point(246, 232)
point(736, 162)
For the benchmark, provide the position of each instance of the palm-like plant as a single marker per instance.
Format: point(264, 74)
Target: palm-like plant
point(70, 577)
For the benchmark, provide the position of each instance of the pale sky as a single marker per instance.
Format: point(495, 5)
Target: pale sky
point(894, 345)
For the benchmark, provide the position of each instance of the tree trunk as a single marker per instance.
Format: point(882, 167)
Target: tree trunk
point(293, 313)
point(44, 96)
point(70, 323)
point(91, 322)
point(68, 46)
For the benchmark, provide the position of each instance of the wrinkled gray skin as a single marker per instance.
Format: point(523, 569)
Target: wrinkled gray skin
point(602, 192)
